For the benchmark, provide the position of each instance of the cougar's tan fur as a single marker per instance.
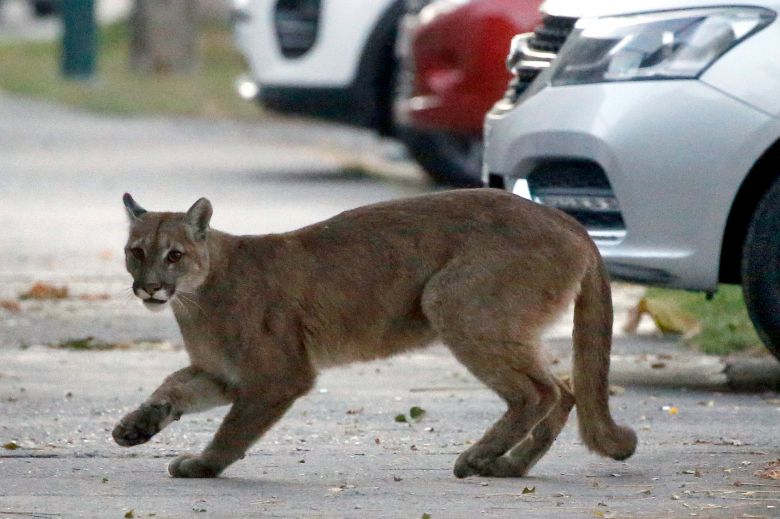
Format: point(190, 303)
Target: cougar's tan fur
point(482, 270)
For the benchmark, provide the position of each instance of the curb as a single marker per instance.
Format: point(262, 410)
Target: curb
point(697, 372)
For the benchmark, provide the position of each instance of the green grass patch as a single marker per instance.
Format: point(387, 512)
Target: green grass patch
point(33, 69)
point(726, 327)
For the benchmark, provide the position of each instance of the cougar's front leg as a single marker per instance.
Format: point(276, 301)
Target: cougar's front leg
point(254, 411)
point(188, 390)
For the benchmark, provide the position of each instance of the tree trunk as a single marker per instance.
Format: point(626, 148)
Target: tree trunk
point(164, 36)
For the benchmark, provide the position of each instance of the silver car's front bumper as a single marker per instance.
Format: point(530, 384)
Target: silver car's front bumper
point(674, 153)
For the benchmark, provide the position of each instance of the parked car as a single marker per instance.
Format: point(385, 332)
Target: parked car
point(452, 71)
point(656, 125)
point(332, 59)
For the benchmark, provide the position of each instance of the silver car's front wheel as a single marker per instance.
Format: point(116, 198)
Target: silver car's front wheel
point(761, 269)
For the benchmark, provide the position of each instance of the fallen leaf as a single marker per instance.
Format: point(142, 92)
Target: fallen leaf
point(400, 418)
point(130, 514)
point(11, 306)
point(426, 516)
point(104, 480)
point(658, 365)
point(94, 297)
point(771, 471)
point(42, 290)
point(85, 343)
point(416, 413)
point(11, 446)
point(667, 316)
point(529, 490)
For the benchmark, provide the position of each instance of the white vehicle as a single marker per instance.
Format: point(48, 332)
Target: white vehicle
point(656, 125)
point(327, 58)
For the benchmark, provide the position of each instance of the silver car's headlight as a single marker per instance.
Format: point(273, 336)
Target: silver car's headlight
point(663, 45)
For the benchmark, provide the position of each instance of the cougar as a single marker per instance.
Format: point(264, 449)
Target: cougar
point(482, 270)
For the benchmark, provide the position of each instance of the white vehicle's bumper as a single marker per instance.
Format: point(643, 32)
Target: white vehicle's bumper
point(674, 153)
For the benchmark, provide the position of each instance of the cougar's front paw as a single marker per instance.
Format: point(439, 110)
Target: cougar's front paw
point(139, 426)
point(191, 466)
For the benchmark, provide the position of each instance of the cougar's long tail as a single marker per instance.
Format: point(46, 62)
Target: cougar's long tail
point(592, 344)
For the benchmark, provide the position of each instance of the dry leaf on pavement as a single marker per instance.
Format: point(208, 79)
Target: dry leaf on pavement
point(41, 290)
point(771, 471)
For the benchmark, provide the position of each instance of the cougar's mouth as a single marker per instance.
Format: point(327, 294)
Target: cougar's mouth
point(154, 304)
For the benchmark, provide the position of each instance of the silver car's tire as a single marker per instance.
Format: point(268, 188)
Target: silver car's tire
point(761, 269)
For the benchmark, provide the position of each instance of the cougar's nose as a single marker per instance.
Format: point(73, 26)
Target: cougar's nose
point(146, 290)
point(151, 288)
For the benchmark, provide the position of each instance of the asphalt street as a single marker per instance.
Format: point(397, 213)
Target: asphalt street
point(339, 451)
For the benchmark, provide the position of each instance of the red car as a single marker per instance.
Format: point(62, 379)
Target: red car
point(452, 55)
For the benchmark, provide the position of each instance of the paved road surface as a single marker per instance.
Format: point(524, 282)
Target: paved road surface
point(338, 452)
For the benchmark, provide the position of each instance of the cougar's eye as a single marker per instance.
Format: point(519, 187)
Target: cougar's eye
point(138, 253)
point(174, 256)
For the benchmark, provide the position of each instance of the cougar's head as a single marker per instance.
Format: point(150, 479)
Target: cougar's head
point(167, 253)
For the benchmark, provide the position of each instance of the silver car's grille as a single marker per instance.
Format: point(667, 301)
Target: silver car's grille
point(552, 33)
point(534, 52)
point(581, 189)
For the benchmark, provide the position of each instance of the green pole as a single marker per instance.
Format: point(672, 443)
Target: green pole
point(79, 38)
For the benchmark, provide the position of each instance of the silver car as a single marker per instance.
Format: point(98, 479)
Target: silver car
point(656, 124)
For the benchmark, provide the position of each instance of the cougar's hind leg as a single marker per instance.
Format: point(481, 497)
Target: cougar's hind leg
point(492, 323)
point(529, 391)
point(522, 457)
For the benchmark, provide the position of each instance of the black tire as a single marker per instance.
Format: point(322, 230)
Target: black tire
point(448, 158)
point(761, 269)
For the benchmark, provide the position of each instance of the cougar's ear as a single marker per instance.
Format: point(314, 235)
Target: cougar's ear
point(198, 217)
point(134, 211)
